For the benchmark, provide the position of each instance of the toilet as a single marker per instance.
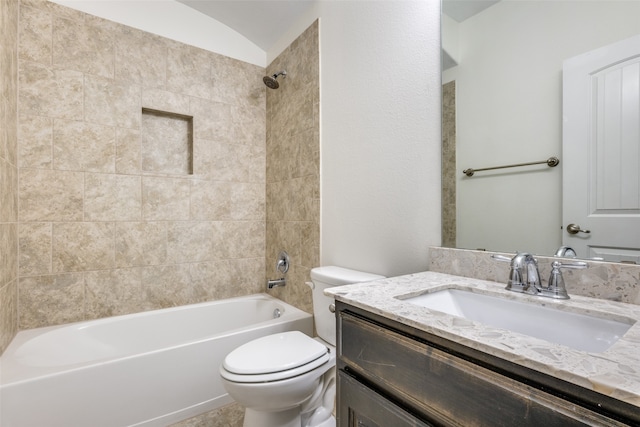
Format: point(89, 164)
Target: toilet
point(288, 379)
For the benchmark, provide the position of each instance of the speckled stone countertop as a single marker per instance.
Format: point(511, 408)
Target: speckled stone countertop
point(614, 372)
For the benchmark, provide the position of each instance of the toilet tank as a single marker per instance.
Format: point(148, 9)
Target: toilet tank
point(325, 277)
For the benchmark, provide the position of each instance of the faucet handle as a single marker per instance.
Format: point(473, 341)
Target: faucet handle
point(556, 288)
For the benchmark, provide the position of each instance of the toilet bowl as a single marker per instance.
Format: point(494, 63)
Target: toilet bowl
point(288, 379)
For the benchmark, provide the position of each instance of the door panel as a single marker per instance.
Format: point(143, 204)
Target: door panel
point(601, 151)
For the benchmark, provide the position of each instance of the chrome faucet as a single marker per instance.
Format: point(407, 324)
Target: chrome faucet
point(525, 277)
point(282, 266)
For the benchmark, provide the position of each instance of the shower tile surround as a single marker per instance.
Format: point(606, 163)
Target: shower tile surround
point(293, 167)
point(110, 220)
point(8, 171)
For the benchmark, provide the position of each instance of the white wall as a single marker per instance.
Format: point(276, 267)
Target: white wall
point(380, 134)
point(510, 111)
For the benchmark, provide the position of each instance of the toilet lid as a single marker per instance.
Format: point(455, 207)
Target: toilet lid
point(274, 353)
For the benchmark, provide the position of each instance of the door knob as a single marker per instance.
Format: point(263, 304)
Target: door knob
point(575, 229)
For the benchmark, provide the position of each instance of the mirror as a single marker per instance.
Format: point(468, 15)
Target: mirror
point(502, 105)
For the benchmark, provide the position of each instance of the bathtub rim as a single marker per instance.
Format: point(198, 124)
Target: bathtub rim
point(19, 373)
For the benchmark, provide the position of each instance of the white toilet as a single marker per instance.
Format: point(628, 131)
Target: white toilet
point(288, 379)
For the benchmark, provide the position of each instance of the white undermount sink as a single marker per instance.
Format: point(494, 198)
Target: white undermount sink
point(578, 331)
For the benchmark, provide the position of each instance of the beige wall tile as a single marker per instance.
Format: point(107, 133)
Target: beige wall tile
point(8, 192)
point(79, 45)
point(165, 198)
point(8, 253)
point(231, 162)
point(162, 100)
point(50, 300)
point(128, 151)
point(8, 314)
point(141, 58)
point(36, 142)
point(239, 239)
point(35, 248)
point(113, 292)
point(82, 146)
point(212, 120)
point(36, 32)
point(148, 240)
point(112, 103)
point(167, 143)
point(109, 197)
point(141, 243)
point(247, 201)
point(211, 200)
point(169, 285)
point(51, 93)
point(50, 195)
point(189, 71)
point(189, 241)
point(292, 165)
point(81, 246)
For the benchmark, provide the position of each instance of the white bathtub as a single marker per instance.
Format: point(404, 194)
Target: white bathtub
point(145, 369)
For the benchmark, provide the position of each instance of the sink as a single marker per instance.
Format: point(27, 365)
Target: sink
point(579, 331)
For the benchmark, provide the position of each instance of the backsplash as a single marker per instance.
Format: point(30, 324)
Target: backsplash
point(604, 280)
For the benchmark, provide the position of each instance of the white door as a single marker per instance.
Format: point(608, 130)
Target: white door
point(601, 152)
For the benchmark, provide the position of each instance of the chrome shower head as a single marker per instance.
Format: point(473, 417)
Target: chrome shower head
point(272, 82)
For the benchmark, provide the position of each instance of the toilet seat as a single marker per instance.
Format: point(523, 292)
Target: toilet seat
point(274, 358)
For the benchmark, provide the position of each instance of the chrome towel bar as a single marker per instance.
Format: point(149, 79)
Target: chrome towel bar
point(551, 162)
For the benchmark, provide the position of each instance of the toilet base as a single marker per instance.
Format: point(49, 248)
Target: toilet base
point(288, 418)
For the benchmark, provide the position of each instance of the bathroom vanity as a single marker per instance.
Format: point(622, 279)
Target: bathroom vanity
point(400, 364)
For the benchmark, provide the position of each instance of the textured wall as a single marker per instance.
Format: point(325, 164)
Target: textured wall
point(293, 157)
point(8, 171)
point(100, 232)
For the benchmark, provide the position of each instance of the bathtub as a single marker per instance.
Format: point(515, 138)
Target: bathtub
point(146, 369)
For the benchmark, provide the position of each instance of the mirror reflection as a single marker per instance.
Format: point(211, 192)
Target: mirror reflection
point(503, 104)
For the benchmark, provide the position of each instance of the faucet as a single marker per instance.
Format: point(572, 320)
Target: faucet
point(282, 266)
point(525, 277)
point(566, 252)
point(276, 283)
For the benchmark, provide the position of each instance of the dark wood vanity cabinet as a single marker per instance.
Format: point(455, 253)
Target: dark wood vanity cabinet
point(392, 375)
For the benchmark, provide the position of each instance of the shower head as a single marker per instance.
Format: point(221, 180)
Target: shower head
point(272, 82)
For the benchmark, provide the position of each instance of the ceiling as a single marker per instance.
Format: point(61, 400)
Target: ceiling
point(263, 22)
point(460, 10)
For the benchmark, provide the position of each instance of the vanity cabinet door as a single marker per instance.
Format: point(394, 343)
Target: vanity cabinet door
point(359, 406)
point(445, 389)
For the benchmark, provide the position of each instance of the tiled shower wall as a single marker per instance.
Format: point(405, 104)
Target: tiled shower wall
point(449, 168)
point(293, 167)
point(101, 232)
point(8, 171)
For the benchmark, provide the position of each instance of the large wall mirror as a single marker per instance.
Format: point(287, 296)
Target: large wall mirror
point(503, 104)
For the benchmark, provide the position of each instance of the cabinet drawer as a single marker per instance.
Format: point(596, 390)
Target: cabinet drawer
point(446, 389)
point(360, 406)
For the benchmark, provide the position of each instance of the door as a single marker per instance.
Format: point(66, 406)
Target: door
point(601, 152)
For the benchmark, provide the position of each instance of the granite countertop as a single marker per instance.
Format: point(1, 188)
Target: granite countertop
point(614, 372)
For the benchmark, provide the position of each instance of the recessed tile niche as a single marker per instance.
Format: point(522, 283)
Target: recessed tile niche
point(167, 143)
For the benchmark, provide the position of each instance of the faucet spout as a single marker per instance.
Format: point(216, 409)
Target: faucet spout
point(524, 275)
point(276, 283)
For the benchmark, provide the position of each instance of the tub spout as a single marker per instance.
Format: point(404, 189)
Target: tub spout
point(276, 283)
